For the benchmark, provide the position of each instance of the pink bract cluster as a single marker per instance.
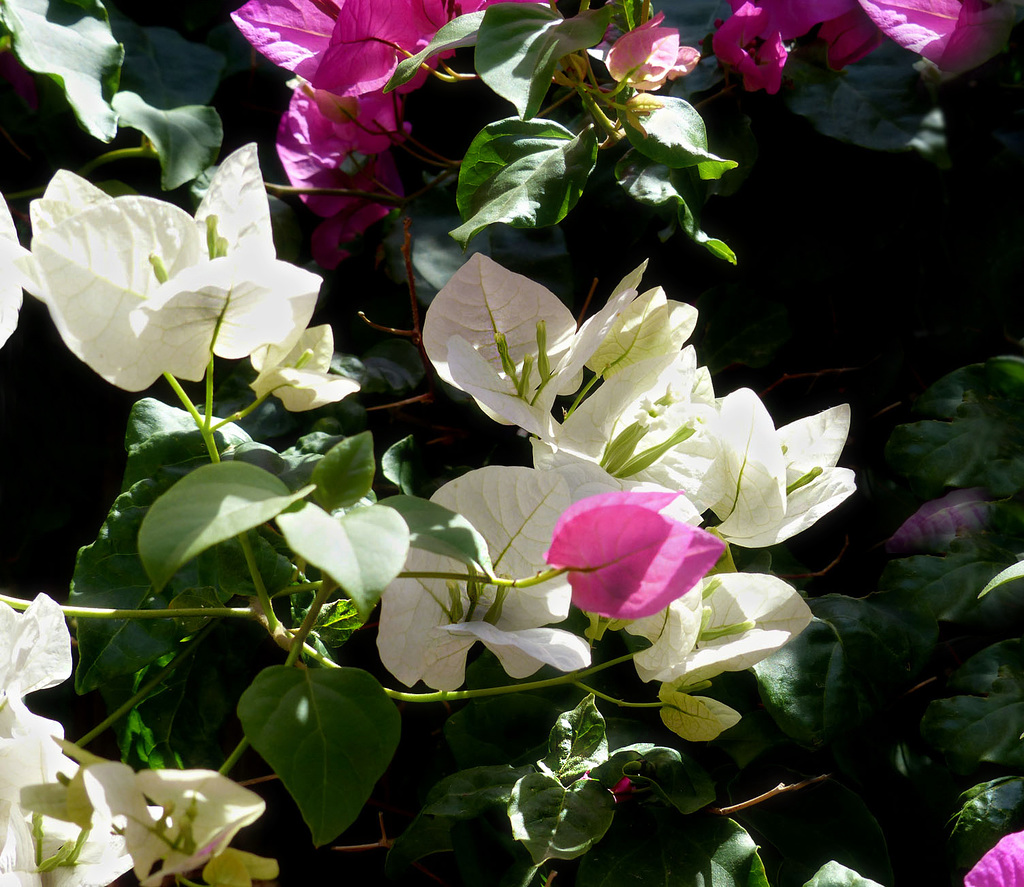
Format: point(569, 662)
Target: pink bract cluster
point(956, 36)
point(340, 126)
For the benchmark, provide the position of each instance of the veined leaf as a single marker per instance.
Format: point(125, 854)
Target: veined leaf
point(527, 174)
point(457, 33)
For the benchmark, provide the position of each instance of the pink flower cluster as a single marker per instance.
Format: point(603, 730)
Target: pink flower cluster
point(650, 55)
point(340, 126)
point(956, 35)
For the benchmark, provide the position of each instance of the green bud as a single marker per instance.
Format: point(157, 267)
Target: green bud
point(159, 269)
point(455, 609)
point(648, 457)
point(216, 246)
point(506, 360)
point(620, 449)
point(524, 379)
point(494, 611)
point(803, 481)
point(724, 631)
point(543, 364)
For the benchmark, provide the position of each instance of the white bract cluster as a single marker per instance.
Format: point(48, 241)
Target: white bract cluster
point(65, 825)
point(647, 419)
point(138, 288)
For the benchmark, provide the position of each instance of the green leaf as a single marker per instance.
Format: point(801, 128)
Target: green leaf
point(834, 874)
point(518, 49)
point(672, 776)
point(676, 136)
point(659, 846)
point(459, 32)
point(433, 527)
point(577, 742)
point(163, 67)
point(345, 474)
point(526, 173)
point(985, 723)
point(988, 811)
point(678, 191)
point(401, 464)
point(328, 733)
point(554, 822)
point(207, 506)
point(70, 42)
point(877, 104)
point(362, 550)
point(187, 139)
point(979, 443)
point(853, 658)
point(822, 823)
point(951, 584)
point(1014, 571)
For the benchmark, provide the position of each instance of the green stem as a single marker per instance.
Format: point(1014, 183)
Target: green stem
point(232, 758)
point(257, 580)
point(527, 582)
point(614, 701)
point(146, 688)
point(458, 695)
point(145, 152)
point(241, 414)
point(299, 638)
point(105, 613)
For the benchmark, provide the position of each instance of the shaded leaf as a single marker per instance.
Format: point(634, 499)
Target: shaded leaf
point(577, 742)
point(989, 811)
point(433, 527)
point(345, 473)
point(328, 733)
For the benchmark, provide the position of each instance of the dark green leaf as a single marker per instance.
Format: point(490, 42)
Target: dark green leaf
point(854, 657)
point(160, 438)
point(985, 723)
point(328, 733)
point(659, 846)
point(679, 192)
point(676, 136)
point(345, 473)
point(459, 32)
point(109, 573)
point(433, 527)
point(163, 67)
point(950, 585)
point(554, 822)
point(982, 445)
point(989, 811)
point(526, 173)
point(518, 49)
point(401, 464)
point(876, 103)
point(71, 43)
point(819, 824)
point(670, 775)
point(207, 506)
point(187, 139)
point(472, 792)
point(577, 742)
point(392, 367)
point(510, 728)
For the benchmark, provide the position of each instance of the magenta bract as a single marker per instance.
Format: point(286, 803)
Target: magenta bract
point(747, 42)
point(1002, 866)
point(650, 55)
point(955, 36)
point(626, 559)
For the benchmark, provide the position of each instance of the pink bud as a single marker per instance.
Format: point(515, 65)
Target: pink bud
point(625, 558)
point(648, 56)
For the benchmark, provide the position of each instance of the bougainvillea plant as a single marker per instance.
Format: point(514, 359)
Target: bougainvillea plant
point(438, 534)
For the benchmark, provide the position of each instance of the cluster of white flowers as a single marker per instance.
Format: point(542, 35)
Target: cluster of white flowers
point(137, 287)
point(653, 423)
point(66, 825)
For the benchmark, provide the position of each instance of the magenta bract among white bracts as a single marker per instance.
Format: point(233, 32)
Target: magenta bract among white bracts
point(1002, 866)
point(626, 559)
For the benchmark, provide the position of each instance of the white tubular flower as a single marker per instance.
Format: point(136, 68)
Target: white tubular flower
point(510, 342)
point(728, 623)
point(299, 376)
point(10, 276)
point(177, 818)
point(138, 287)
point(645, 424)
point(427, 626)
point(775, 484)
